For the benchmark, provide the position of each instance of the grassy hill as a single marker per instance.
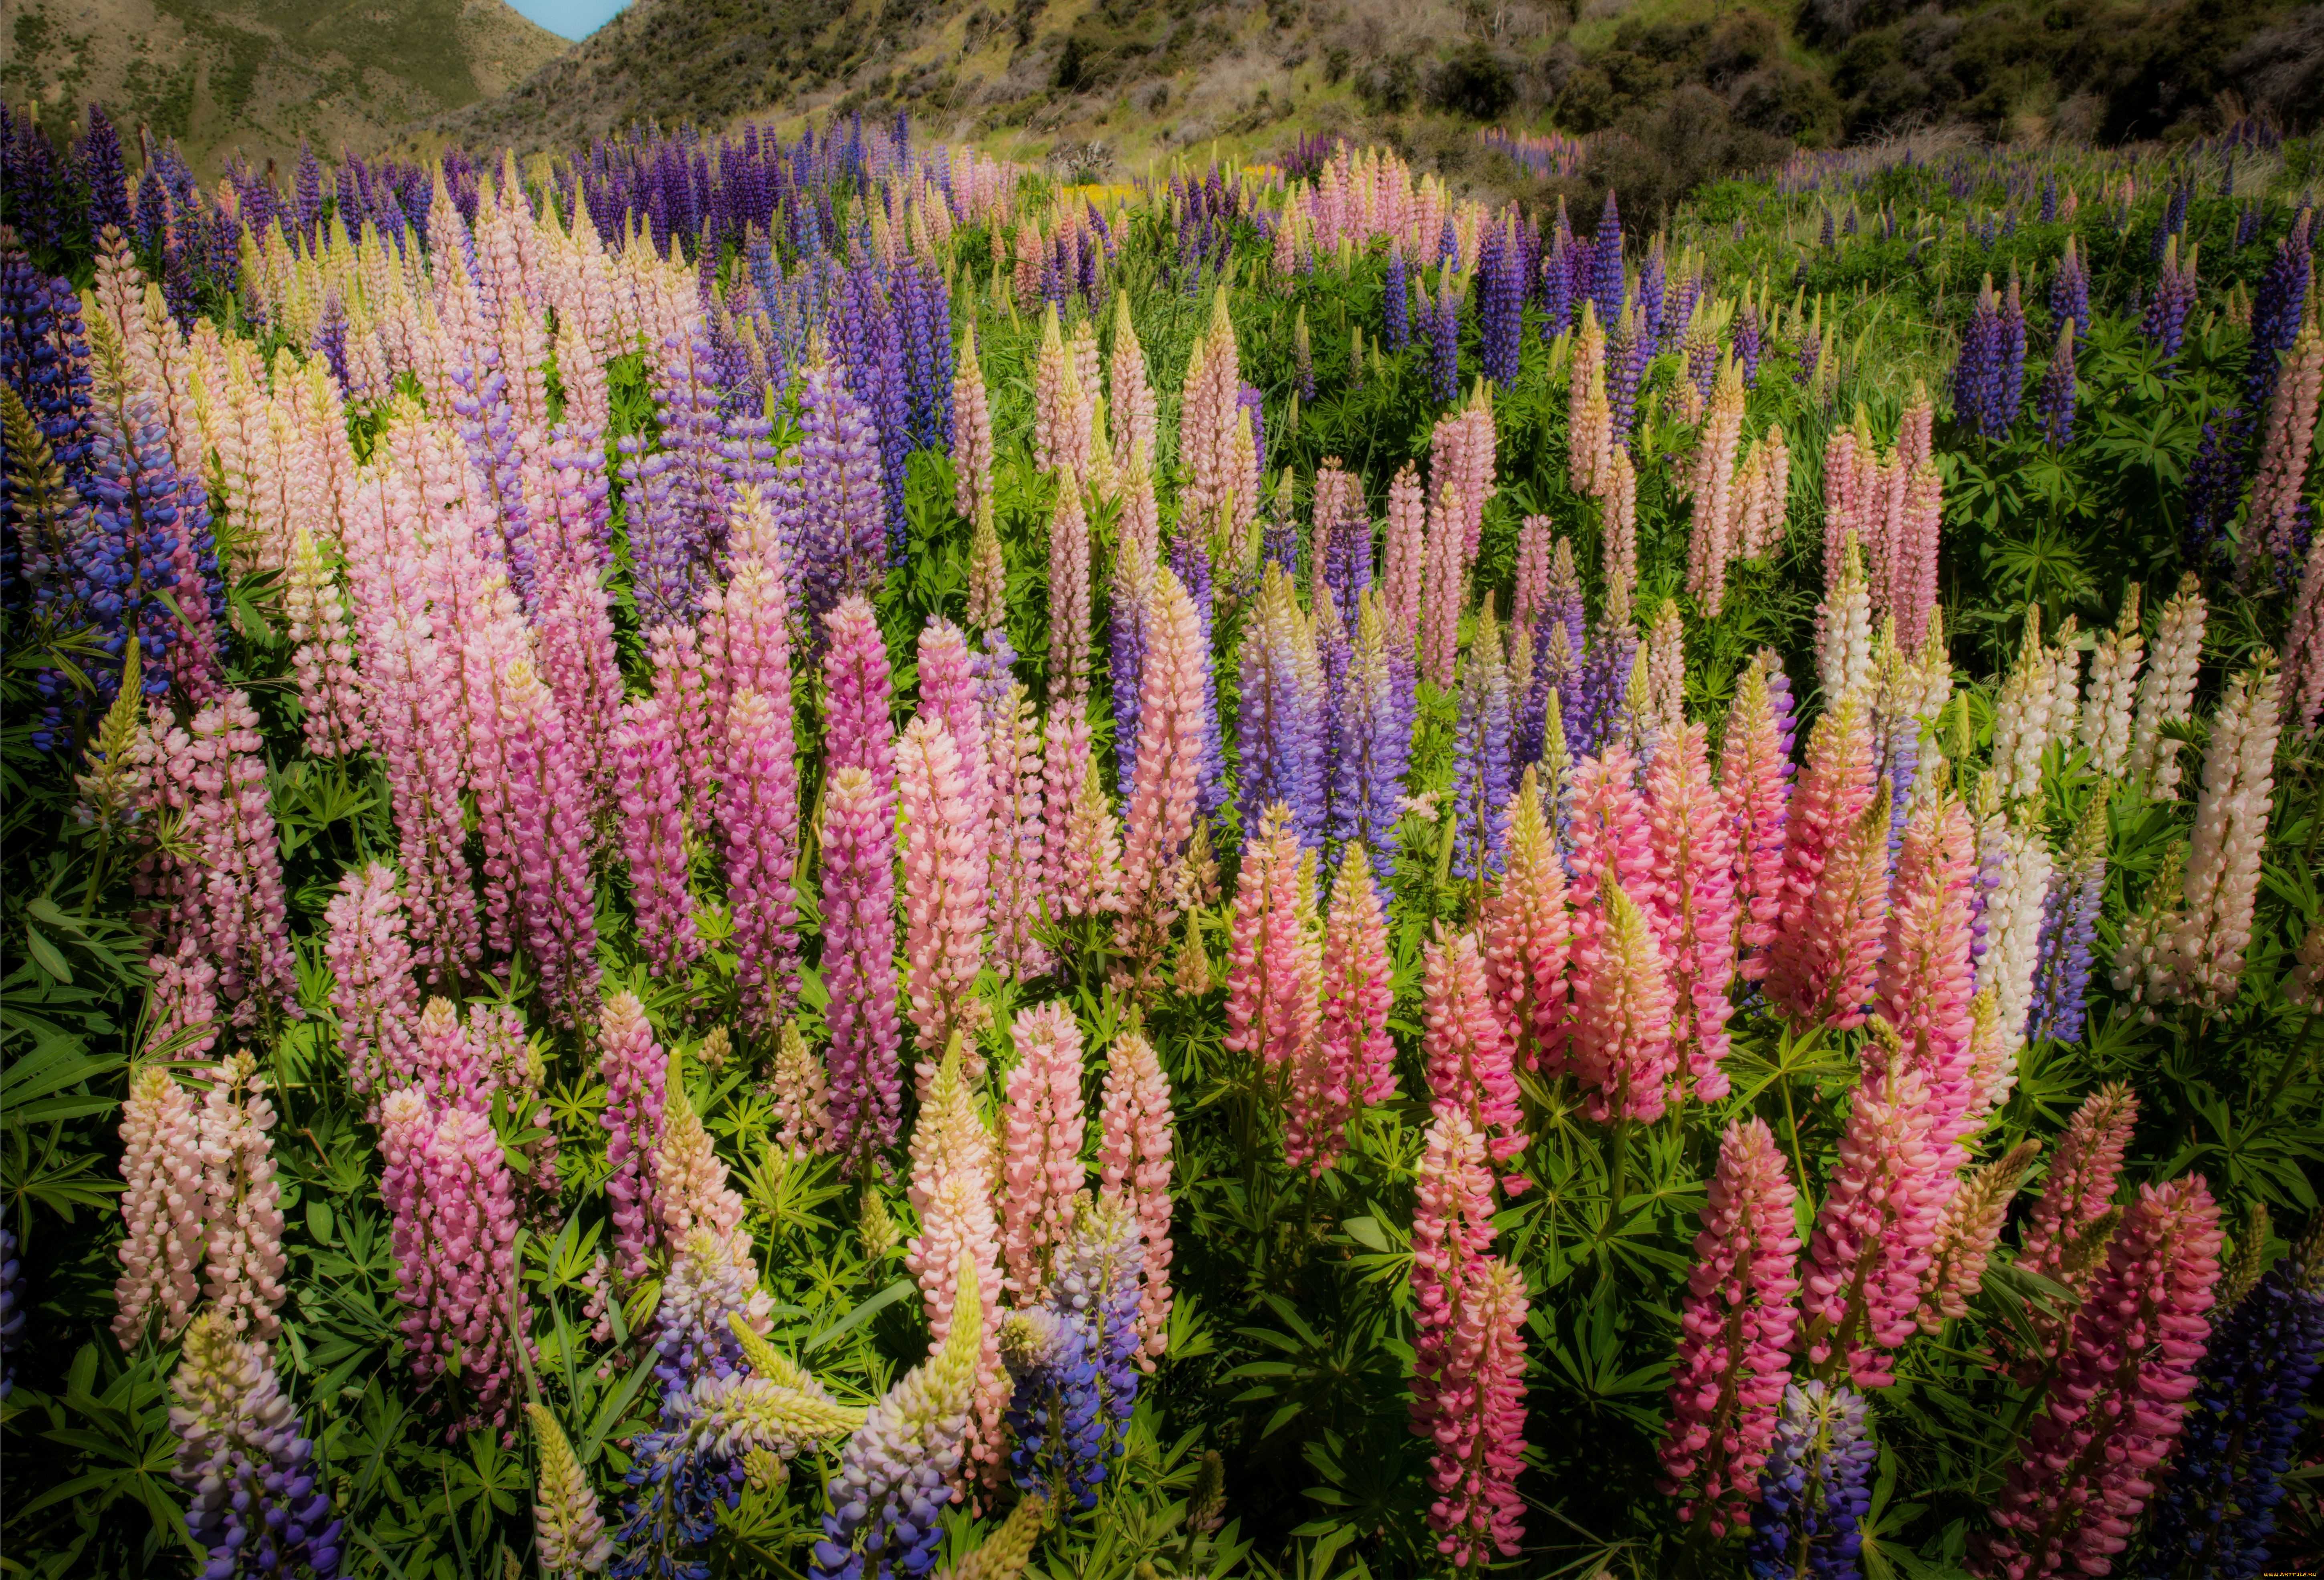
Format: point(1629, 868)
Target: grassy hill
point(1694, 84)
point(261, 75)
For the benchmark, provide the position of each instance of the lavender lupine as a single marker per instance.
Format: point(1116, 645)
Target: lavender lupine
point(1815, 1491)
point(1280, 731)
point(829, 497)
point(258, 1508)
point(1482, 780)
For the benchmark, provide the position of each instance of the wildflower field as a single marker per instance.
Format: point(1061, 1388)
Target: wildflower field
point(735, 857)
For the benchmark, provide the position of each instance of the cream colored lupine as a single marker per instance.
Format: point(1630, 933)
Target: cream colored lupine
point(2166, 692)
point(2021, 716)
point(2113, 690)
point(2013, 926)
point(1843, 636)
point(2145, 964)
point(1130, 396)
point(2223, 863)
point(2065, 686)
point(971, 443)
point(164, 1244)
point(242, 1204)
point(690, 1189)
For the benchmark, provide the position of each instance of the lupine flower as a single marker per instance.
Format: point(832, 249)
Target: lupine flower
point(858, 929)
point(829, 496)
point(1926, 980)
point(568, 1532)
point(1479, 1424)
point(1833, 875)
point(165, 1239)
point(1466, 1051)
point(373, 995)
point(329, 690)
point(1480, 769)
point(1072, 1360)
point(2271, 543)
point(1353, 1061)
point(1815, 1493)
point(257, 1508)
point(1041, 1141)
point(1444, 339)
point(1968, 1231)
point(1404, 556)
point(2015, 883)
point(648, 791)
point(1620, 1051)
point(2107, 700)
point(1735, 1332)
point(943, 888)
point(1876, 1231)
point(448, 1190)
point(2073, 1213)
point(1590, 420)
point(2084, 1467)
point(1695, 910)
point(2070, 919)
point(2056, 400)
point(242, 1212)
point(1843, 630)
point(1171, 695)
point(2166, 692)
point(2243, 1426)
point(1275, 963)
point(1377, 709)
point(1135, 1163)
point(2221, 886)
point(1528, 937)
point(1755, 772)
point(1281, 727)
point(971, 456)
point(758, 812)
point(635, 1071)
point(896, 1473)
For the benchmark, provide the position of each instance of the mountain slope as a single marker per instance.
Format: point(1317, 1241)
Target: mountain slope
point(258, 75)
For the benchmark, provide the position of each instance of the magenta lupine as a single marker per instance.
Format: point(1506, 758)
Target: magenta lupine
point(1695, 910)
point(1527, 929)
point(1755, 782)
point(1468, 1061)
point(944, 879)
point(1878, 1227)
point(758, 816)
point(1926, 981)
point(373, 993)
point(858, 730)
point(1040, 1148)
point(635, 1069)
point(446, 1188)
point(1735, 1332)
point(1820, 916)
point(649, 795)
point(1353, 1063)
point(1134, 1162)
point(859, 958)
point(1275, 963)
point(225, 891)
point(164, 1240)
point(681, 683)
point(2073, 1214)
point(2087, 1462)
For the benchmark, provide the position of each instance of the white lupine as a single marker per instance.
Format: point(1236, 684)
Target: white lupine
point(2166, 692)
point(2223, 860)
point(2020, 717)
point(2012, 927)
point(2065, 687)
point(2113, 691)
point(1844, 630)
point(2146, 966)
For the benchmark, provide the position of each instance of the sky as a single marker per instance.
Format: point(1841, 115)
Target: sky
point(572, 19)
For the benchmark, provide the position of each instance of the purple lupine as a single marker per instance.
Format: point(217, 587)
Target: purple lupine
point(2070, 292)
point(1375, 718)
point(828, 497)
point(1192, 563)
point(258, 1505)
point(2056, 400)
point(1652, 294)
point(1605, 281)
point(2277, 303)
point(1557, 293)
point(488, 426)
point(1253, 405)
point(2009, 390)
point(1627, 351)
point(1444, 342)
point(1977, 374)
point(1501, 306)
point(1815, 1488)
point(1593, 706)
point(2247, 223)
point(2070, 921)
point(1481, 763)
point(44, 359)
point(870, 345)
point(2164, 323)
point(1279, 729)
point(1126, 669)
point(1746, 344)
point(1396, 304)
point(677, 497)
point(2214, 481)
point(104, 173)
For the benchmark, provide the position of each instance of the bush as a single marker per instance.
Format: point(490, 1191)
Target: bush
point(1476, 83)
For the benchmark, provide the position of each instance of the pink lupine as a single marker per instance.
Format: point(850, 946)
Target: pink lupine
point(1019, 862)
point(1875, 1234)
point(1532, 594)
point(758, 816)
point(1040, 1146)
point(972, 428)
point(448, 1190)
point(1444, 593)
point(952, 694)
point(945, 878)
point(2271, 535)
point(573, 630)
point(1068, 875)
point(1619, 536)
point(859, 732)
point(1134, 1162)
point(373, 993)
point(2221, 888)
point(330, 692)
point(449, 1062)
point(1056, 404)
point(1479, 1420)
point(1755, 774)
point(1170, 748)
point(1452, 1267)
point(2072, 1213)
point(649, 793)
point(1735, 1332)
point(2087, 1464)
point(1275, 963)
point(1405, 567)
point(1467, 1053)
point(164, 1241)
point(1694, 907)
point(1620, 1048)
point(1968, 1231)
point(181, 1018)
point(635, 1071)
point(859, 958)
point(1827, 810)
point(1714, 540)
point(1527, 929)
point(1069, 595)
point(745, 635)
point(226, 892)
point(690, 1188)
point(242, 1205)
point(1135, 419)
point(681, 683)
point(1359, 1056)
point(1926, 980)
point(953, 1173)
point(1610, 842)
point(536, 818)
point(1913, 594)
point(2304, 644)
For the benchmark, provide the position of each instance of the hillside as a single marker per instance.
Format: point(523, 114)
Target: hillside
point(261, 75)
point(1696, 85)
